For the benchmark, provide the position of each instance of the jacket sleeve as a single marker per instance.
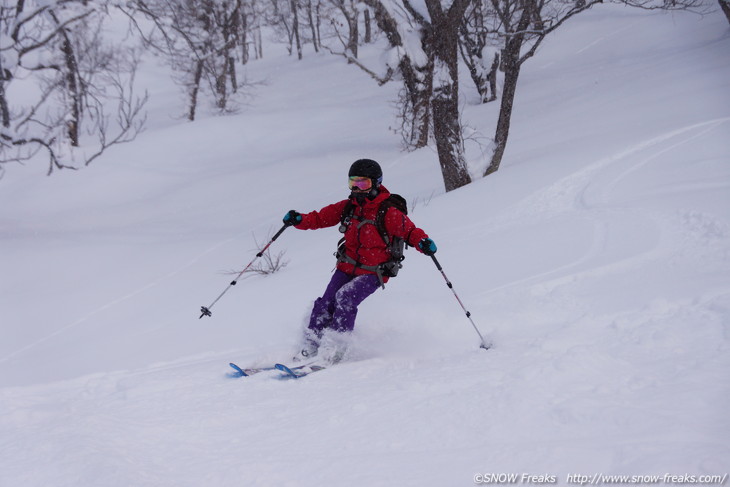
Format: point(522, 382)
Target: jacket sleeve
point(398, 224)
point(328, 216)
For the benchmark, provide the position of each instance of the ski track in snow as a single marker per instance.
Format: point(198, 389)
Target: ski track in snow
point(114, 302)
point(588, 192)
point(602, 39)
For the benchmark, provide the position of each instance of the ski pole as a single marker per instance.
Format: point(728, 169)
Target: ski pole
point(484, 344)
point(205, 311)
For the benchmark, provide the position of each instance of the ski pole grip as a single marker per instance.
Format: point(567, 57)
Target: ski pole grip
point(281, 230)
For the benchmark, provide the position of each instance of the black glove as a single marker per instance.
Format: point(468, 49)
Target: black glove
point(427, 246)
point(292, 218)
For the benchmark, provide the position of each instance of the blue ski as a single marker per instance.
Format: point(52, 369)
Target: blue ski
point(298, 372)
point(241, 372)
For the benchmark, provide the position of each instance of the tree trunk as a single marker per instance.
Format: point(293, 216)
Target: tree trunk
point(484, 79)
point(443, 40)
point(511, 65)
point(445, 100)
point(368, 29)
point(195, 88)
point(5, 76)
point(4, 108)
point(244, 38)
point(447, 132)
point(232, 74)
point(352, 41)
point(725, 6)
point(493, 77)
point(259, 44)
point(318, 16)
point(220, 85)
point(352, 17)
point(295, 27)
point(71, 86)
point(313, 26)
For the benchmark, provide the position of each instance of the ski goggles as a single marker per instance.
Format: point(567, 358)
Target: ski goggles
point(360, 183)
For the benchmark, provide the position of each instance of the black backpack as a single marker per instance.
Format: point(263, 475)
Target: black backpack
point(394, 245)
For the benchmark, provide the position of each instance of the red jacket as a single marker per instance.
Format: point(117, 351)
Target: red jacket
point(364, 244)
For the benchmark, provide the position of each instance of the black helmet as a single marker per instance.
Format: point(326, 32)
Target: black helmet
point(367, 168)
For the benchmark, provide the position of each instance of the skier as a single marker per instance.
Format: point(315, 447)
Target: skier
point(361, 260)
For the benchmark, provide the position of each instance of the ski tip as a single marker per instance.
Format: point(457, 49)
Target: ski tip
point(238, 369)
point(285, 369)
point(288, 371)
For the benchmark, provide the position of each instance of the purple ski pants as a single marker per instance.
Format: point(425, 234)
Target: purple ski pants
point(337, 308)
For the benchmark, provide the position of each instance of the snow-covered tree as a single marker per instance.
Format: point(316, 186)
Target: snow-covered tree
point(59, 80)
point(479, 50)
point(424, 42)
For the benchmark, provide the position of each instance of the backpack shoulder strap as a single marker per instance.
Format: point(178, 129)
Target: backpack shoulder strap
point(346, 216)
point(347, 212)
point(393, 201)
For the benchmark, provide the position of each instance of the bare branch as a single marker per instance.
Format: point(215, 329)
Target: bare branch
point(381, 80)
point(58, 48)
point(50, 36)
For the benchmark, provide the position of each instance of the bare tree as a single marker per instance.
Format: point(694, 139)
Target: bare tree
point(524, 25)
point(284, 17)
point(250, 31)
point(200, 40)
point(294, 7)
point(351, 14)
point(444, 29)
point(413, 64)
point(423, 54)
point(76, 78)
point(314, 20)
point(427, 63)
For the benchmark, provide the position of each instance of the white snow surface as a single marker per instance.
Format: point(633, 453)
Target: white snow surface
point(597, 259)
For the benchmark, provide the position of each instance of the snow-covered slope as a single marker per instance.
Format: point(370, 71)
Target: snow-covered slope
point(597, 260)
